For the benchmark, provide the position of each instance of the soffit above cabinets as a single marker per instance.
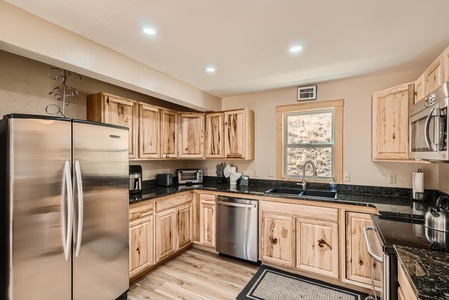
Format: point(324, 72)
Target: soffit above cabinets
point(248, 41)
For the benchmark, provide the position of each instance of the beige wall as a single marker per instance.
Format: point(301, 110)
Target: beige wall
point(356, 130)
point(27, 35)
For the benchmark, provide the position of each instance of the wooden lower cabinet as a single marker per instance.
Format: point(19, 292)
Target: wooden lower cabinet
point(141, 237)
point(184, 225)
point(300, 236)
point(358, 262)
point(141, 253)
point(278, 239)
point(173, 225)
point(165, 234)
point(207, 220)
point(317, 246)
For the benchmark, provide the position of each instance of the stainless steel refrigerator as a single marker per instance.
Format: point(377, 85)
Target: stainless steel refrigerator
point(64, 209)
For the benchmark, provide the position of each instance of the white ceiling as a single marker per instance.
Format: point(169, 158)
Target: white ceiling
point(248, 40)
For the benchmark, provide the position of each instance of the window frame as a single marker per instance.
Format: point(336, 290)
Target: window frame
point(282, 111)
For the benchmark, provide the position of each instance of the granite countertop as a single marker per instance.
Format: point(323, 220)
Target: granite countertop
point(427, 271)
point(388, 205)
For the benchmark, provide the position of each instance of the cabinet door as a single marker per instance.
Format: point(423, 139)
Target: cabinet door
point(434, 75)
point(184, 225)
point(445, 61)
point(166, 234)
point(191, 135)
point(317, 246)
point(149, 131)
point(168, 134)
point(214, 144)
point(207, 222)
point(141, 243)
point(420, 88)
point(390, 126)
point(239, 137)
point(358, 262)
point(278, 239)
point(106, 108)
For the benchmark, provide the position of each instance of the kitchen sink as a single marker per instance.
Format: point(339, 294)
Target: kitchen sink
point(300, 192)
point(284, 190)
point(319, 193)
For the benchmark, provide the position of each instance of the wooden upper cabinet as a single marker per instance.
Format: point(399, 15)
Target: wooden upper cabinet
point(214, 141)
point(445, 62)
point(420, 88)
point(390, 126)
point(149, 131)
point(191, 135)
point(115, 110)
point(239, 134)
point(434, 75)
point(168, 133)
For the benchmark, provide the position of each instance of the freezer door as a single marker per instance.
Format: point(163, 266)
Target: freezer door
point(38, 161)
point(101, 197)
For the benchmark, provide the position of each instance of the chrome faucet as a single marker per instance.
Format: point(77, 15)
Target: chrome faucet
point(303, 182)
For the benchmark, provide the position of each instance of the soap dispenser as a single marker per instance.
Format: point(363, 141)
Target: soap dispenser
point(333, 185)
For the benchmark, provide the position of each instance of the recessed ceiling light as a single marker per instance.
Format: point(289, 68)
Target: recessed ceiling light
point(149, 31)
point(210, 69)
point(295, 49)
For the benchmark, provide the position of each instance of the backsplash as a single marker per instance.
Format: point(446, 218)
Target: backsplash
point(430, 195)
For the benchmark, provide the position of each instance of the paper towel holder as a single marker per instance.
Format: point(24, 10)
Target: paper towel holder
point(418, 185)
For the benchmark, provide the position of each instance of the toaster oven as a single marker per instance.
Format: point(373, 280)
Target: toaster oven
point(190, 176)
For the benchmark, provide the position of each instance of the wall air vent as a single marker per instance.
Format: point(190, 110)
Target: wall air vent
point(307, 93)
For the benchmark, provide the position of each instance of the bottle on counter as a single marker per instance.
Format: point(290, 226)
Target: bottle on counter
point(333, 185)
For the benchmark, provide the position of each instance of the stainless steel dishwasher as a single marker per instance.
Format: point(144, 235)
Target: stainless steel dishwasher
point(237, 227)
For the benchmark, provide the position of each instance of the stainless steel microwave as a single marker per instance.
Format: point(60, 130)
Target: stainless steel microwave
point(429, 126)
point(190, 176)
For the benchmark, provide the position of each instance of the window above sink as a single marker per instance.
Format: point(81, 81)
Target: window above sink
point(312, 132)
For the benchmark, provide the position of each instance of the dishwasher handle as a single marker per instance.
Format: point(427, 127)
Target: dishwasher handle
point(237, 204)
point(369, 246)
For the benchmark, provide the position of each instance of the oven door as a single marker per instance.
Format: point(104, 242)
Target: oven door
point(374, 246)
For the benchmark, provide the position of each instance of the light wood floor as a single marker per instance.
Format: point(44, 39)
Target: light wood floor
point(195, 275)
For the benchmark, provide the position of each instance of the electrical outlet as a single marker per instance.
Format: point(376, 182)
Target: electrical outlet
point(255, 172)
point(347, 177)
point(391, 178)
point(270, 172)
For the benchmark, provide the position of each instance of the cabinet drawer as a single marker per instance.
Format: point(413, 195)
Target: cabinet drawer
point(173, 201)
point(305, 211)
point(140, 211)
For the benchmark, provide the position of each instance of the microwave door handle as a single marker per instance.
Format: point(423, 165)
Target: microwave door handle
point(426, 130)
point(442, 121)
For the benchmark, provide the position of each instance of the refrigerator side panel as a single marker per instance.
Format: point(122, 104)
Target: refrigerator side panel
point(4, 212)
point(38, 150)
point(100, 262)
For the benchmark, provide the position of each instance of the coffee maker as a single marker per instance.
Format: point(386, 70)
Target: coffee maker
point(135, 179)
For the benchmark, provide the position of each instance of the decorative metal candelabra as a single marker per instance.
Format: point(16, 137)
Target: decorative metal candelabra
point(64, 92)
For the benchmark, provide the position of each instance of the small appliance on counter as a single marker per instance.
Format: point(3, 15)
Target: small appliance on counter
point(190, 176)
point(164, 179)
point(135, 179)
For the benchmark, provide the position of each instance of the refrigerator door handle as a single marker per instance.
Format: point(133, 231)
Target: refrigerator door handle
point(67, 233)
point(79, 229)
